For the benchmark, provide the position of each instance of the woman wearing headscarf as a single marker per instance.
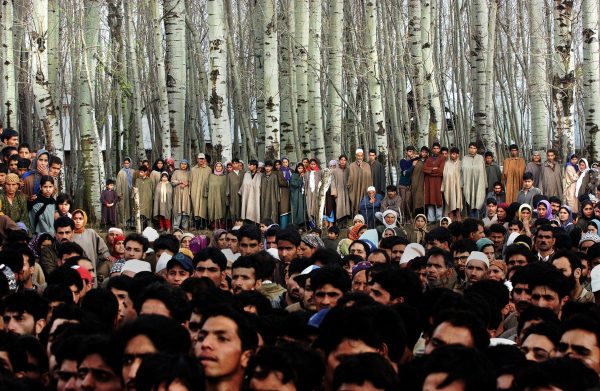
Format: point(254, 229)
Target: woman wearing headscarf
point(43, 208)
point(297, 200)
point(390, 221)
point(163, 202)
point(525, 214)
point(218, 239)
point(31, 179)
point(586, 214)
point(93, 245)
point(570, 181)
point(284, 175)
point(216, 188)
point(544, 210)
point(502, 213)
point(182, 206)
point(593, 226)
point(13, 202)
point(312, 180)
point(157, 169)
point(419, 229)
point(565, 218)
point(583, 179)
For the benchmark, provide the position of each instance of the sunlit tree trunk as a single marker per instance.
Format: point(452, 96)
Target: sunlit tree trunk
point(176, 65)
point(8, 67)
point(431, 91)
point(314, 83)
point(537, 75)
point(301, 60)
point(271, 81)
point(333, 132)
point(287, 82)
point(590, 11)
point(421, 115)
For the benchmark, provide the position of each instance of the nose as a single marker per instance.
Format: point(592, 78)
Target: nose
point(87, 382)
point(71, 385)
point(133, 369)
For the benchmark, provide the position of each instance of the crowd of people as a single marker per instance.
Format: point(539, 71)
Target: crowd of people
point(461, 276)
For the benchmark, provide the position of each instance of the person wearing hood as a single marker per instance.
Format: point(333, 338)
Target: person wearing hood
point(584, 178)
point(31, 179)
point(544, 210)
point(419, 229)
point(157, 169)
point(125, 181)
point(586, 215)
point(389, 219)
point(181, 196)
point(570, 182)
point(551, 183)
point(525, 215)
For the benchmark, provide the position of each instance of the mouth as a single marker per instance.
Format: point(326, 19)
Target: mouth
point(204, 359)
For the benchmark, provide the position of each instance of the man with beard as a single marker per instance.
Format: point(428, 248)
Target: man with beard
point(64, 228)
point(246, 275)
point(339, 189)
point(359, 179)
point(569, 264)
point(461, 250)
point(439, 269)
point(544, 242)
point(291, 299)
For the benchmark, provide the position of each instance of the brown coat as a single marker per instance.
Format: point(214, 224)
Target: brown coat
point(284, 194)
point(216, 190)
point(434, 172)
point(359, 180)
point(339, 190)
point(418, 185)
point(512, 173)
point(234, 200)
point(181, 194)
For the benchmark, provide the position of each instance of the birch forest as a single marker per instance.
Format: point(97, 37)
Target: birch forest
point(94, 81)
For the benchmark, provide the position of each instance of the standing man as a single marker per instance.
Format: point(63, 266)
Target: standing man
point(269, 193)
point(234, 182)
point(404, 182)
point(492, 171)
point(514, 167)
point(339, 189)
point(535, 167)
point(418, 181)
point(250, 192)
point(451, 185)
point(434, 171)
point(551, 184)
point(124, 185)
point(474, 180)
point(359, 179)
point(199, 191)
point(377, 172)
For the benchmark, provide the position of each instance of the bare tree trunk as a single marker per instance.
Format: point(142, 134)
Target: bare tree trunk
point(271, 80)
point(287, 81)
point(416, 75)
point(8, 66)
point(590, 10)
point(315, 122)
point(301, 60)
point(333, 132)
point(537, 76)
point(431, 93)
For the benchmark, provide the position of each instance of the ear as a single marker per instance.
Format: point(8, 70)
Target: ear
point(577, 273)
point(506, 310)
point(398, 300)
point(39, 326)
point(245, 358)
point(258, 284)
point(384, 351)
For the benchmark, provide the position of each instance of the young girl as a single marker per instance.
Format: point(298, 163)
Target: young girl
point(163, 202)
point(63, 206)
point(419, 230)
point(44, 206)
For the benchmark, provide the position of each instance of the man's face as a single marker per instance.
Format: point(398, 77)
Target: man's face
point(327, 296)
point(287, 251)
point(342, 163)
point(94, 374)
point(581, 345)
point(436, 150)
point(67, 376)
point(248, 246)
point(63, 234)
point(12, 166)
point(358, 249)
point(271, 242)
point(475, 236)
point(528, 184)
point(308, 301)
point(89, 266)
point(210, 270)
point(537, 348)
point(424, 154)
point(550, 156)
point(244, 279)
point(19, 323)
point(379, 294)
point(372, 157)
point(544, 297)
point(447, 334)
point(359, 282)
point(126, 310)
point(521, 296)
point(489, 160)
point(134, 250)
point(497, 238)
point(555, 207)
point(201, 162)
point(55, 170)
point(472, 150)
point(135, 350)
point(177, 275)
point(514, 152)
point(497, 189)
point(544, 240)
point(24, 153)
point(437, 271)
point(563, 266)
point(360, 156)
point(347, 347)
point(219, 348)
point(475, 271)
point(13, 141)
point(514, 228)
point(454, 156)
point(397, 252)
point(232, 242)
point(491, 209)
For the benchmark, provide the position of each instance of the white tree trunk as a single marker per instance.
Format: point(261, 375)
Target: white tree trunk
point(563, 78)
point(259, 75)
point(431, 92)
point(590, 11)
point(314, 83)
point(333, 146)
point(54, 64)
point(287, 82)
point(302, 9)
point(176, 67)
point(538, 87)
point(421, 116)
point(479, 41)
point(45, 107)
point(93, 171)
point(8, 67)
point(489, 135)
point(271, 81)
point(218, 113)
point(161, 80)
point(375, 99)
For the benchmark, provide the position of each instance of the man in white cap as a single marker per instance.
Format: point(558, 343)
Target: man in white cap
point(198, 190)
point(476, 267)
point(359, 180)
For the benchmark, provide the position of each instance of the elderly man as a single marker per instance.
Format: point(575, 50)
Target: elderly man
point(359, 180)
point(199, 190)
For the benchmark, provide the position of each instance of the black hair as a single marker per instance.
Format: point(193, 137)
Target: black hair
point(63, 221)
point(440, 234)
point(272, 231)
point(470, 225)
point(436, 144)
point(248, 262)
point(454, 150)
point(391, 241)
point(173, 298)
point(365, 245)
point(249, 231)
point(8, 133)
point(572, 257)
point(102, 305)
point(390, 188)
point(162, 370)
point(366, 367)
point(399, 283)
point(515, 249)
point(548, 276)
point(62, 198)
point(436, 251)
point(299, 264)
point(330, 274)
point(141, 239)
point(289, 234)
point(468, 320)
point(528, 176)
point(583, 322)
point(65, 276)
point(382, 252)
point(54, 160)
point(45, 179)
point(547, 329)
point(245, 329)
point(101, 345)
point(254, 299)
point(58, 293)
point(167, 242)
point(166, 334)
point(497, 296)
point(564, 373)
point(69, 248)
point(12, 259)
point(498, 229)
point(4, 168)
point(325, 256)
point(545, 315)
point(17, 356)
point(27, 301)
point(214, 255)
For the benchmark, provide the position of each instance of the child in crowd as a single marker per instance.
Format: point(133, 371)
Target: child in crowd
point(417, 235)
point(43, 208)
point(163, 202)
point(109, 198)
point(333, 237)
point(63, 205)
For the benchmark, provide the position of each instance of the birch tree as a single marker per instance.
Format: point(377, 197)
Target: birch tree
point(314, 82)
point(93, 172)
point(287, 82)
point(333, 132)
point(218, 112)
point(271, 81)
point(375, 99)
point(537, 76)
point(420, 114)
point(38, 33)
point(302, 12)
point(563, 78)
point(161, 81)
point(8, 67)
point(431, 93)
point(176, 60)
point(590, 11)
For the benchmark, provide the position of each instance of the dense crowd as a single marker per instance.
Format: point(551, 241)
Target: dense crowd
point(460, 276)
